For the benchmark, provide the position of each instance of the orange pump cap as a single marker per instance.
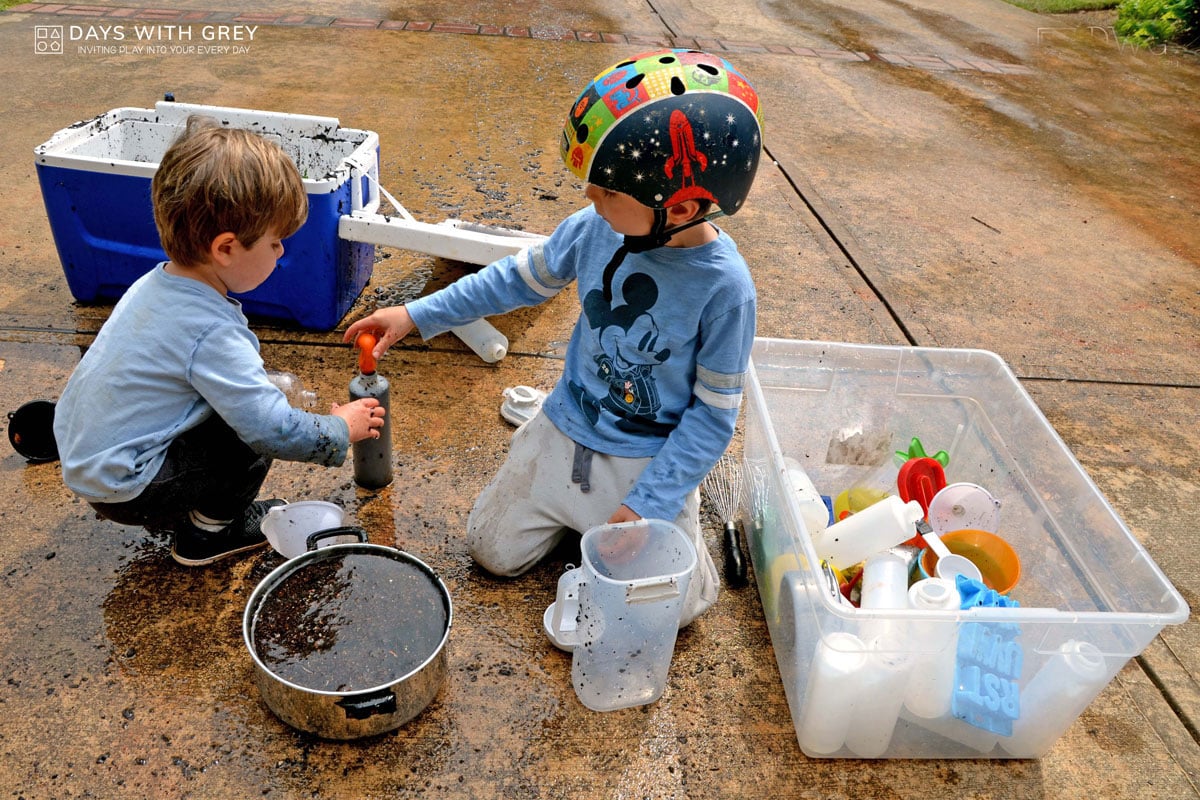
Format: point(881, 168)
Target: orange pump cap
point(366, 357)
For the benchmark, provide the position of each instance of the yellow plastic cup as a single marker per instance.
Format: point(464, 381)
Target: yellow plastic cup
point(854, 500)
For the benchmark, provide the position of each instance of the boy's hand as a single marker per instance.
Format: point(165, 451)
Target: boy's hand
point(364, 418)
point(622, 546)
point(389, 325)
point(624, 514)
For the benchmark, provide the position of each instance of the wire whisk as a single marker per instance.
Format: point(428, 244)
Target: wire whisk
point(724, 487)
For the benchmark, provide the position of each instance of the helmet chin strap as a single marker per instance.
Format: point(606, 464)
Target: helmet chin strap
point(658, 237)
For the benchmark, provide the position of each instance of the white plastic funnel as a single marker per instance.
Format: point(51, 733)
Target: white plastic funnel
point(287, 527)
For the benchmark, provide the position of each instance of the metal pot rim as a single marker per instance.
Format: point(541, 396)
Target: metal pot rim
point(278, 575)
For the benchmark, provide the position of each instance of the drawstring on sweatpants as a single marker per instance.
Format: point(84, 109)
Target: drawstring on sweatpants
point(581, 468)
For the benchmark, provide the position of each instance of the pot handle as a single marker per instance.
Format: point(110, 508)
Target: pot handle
point(314, 539)
point(367, 706)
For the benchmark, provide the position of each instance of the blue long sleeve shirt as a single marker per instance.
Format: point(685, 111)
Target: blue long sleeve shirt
point(655, 366)
point(173, 352)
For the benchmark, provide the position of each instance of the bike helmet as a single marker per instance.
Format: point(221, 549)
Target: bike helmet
point(667, 126)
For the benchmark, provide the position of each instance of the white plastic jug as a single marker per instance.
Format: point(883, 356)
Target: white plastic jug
point(630, 593)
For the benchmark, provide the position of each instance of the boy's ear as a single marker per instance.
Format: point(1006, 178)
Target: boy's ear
point(221, 249)
point(683, 211)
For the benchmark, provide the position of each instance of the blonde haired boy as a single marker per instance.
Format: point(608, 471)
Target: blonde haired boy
point(169, 421)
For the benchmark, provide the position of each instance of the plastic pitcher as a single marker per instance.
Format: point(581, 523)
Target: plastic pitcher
point(630, 592)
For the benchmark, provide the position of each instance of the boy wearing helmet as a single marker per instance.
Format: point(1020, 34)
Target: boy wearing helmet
point(653, 377)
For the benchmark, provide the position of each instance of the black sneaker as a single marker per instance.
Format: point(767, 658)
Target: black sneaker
point(194, 547)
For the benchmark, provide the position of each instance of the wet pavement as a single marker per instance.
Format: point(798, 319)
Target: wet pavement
point(978, 178)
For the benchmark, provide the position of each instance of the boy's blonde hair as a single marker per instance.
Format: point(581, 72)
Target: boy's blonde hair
point(215, 180)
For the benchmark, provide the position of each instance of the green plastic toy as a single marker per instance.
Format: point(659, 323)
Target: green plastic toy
point(917, 450)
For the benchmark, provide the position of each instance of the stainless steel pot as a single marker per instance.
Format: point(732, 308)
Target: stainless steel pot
point(406, 598)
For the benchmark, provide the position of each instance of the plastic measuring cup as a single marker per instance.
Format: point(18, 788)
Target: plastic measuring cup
point(630, 591)
point(995, 558)
point(949, 564)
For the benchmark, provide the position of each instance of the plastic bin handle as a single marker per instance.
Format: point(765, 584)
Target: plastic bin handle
point(652, 590)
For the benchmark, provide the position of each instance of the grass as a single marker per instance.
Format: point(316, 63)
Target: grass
point(1144, 23)
point(1063, 6)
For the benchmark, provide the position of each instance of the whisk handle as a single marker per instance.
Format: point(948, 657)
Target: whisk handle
point(735, 558)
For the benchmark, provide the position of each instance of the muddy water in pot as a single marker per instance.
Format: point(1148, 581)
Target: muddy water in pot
point(349, 624)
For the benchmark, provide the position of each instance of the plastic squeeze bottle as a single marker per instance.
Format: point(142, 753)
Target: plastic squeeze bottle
point(481, 336)
point(876, 528)
point(812, 507)
point(931, 685)
point(832, 695)
point(879, 697)
point(1055, 696)
point(293, 389)
point(372, 457)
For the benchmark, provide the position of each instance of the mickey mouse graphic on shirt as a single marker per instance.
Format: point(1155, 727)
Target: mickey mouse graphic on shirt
point(629, 341)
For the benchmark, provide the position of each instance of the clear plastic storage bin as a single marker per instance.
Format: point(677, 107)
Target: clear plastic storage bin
point(925, 683)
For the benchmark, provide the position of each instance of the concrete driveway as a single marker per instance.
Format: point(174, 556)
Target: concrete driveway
point(975, 176)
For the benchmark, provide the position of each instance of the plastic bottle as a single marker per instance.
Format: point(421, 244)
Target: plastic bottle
point(884, 587)
point(881, 685)
point(488, 343)
point(293, 389)
point(954, 729)
point(832, 697)
point(1055, 696)
point(872, 530)
point(885, 581)
point(372, 457)
point(812, 508)
point(931, 685)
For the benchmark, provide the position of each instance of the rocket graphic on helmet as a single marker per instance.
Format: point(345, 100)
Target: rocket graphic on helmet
point(667, 126)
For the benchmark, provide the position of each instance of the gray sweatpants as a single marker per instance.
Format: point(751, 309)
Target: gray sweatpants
point(532, 503)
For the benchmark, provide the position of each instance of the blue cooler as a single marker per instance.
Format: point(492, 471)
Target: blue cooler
point(95, 180)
